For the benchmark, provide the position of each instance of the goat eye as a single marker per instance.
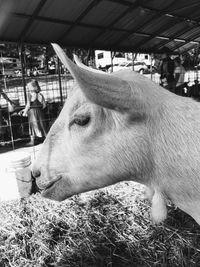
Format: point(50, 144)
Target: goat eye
point(81, 121)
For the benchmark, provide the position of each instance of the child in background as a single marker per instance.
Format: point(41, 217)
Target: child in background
point(34, 109)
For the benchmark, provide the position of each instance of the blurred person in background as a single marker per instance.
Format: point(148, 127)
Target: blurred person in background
point(179, 75)
point(194, 90)
point(167, 72)
point(35, 111)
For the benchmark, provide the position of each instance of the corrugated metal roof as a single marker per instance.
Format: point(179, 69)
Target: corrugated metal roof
point(108, 11)
point(120, 25)
point(179, 27)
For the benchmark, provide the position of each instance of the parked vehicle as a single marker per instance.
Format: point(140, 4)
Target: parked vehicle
point(8, 73)
point(42, 71)
point(140, 67)
point(9, 65)
point(117, 66)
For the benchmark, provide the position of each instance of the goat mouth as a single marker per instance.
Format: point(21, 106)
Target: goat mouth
point(51, 185)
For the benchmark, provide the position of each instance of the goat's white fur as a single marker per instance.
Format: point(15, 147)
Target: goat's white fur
point(138, 131)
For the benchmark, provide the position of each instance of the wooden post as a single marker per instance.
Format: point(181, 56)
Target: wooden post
point(21, 57)
point(151, 67)
point(111, 61)
point(9, 117)
point(59, 81)
point(133, 60)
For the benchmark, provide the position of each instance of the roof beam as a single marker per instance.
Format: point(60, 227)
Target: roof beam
point(97, 47)
point(86, 25)
point(75, 45)
point(139, 27)
point(163, 12)
point(156, 34)
point(186, 42)
point(181, 41)
point(191, 40)
point(128, 10)
point(101, 28)
point(175, 36)
point(159, 12)
point(178, 18)
point(186, 50)
point(31, 20)
point(130, 32)
point(82, 15)
point(187, 6)
point(65, 22)
point(70, 23)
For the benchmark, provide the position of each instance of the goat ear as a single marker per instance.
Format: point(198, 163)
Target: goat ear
point(83, 66)
point(100, 88)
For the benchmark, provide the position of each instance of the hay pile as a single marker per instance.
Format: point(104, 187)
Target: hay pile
point(109, 227)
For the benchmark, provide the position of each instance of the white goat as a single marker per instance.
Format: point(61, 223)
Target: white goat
point(123, 127)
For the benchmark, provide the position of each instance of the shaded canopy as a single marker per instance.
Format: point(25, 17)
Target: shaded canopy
point(117, 25)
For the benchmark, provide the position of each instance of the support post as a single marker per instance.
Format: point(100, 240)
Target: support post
point(3, 72)
point(59, 81)
point(111, 54)
point(9, 117)
point(133, 60)
point(21, 56)
point(196, 62)
point(151, 67)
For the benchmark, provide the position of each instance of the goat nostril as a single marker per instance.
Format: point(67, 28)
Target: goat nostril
point(36, 173)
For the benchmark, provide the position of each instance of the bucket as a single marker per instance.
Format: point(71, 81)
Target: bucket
point(17, 180)
point(18, 160)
